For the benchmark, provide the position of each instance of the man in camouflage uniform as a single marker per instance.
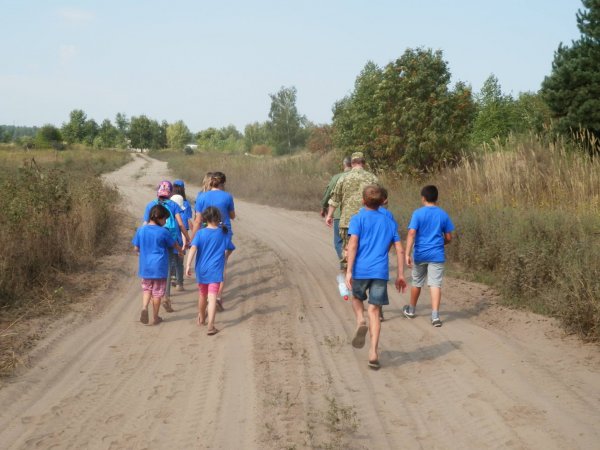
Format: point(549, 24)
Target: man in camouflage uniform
point(337, 240)
point(347, 194)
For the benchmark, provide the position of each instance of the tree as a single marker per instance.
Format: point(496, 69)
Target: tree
point(496, 114)
point(572, 90)
point(286, 125)
point(145, 133)
point(90, 129)
point(256, 134)
point(320, 139)
point(178, 135)
point(108, 135)
point(354, 116)
point(74, 131)
point(48, 136)
point(406, 116)
point(122, 124)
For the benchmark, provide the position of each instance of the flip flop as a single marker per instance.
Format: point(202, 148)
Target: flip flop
point(375, 364)
point(358, 341)
point(144, 316)
point(220, 305)
point(157, 321)
point(167, 305)
point(212, 332)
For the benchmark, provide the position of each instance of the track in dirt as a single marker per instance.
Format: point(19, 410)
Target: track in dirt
point(281, 374)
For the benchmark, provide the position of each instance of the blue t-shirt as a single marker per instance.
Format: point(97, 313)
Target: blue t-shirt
point(211, 244)
point(173, 207)
point(220, 199)
point(154, 243)
point(430, 223)
point(386, 212)
point(375, 232)
point(186, 214)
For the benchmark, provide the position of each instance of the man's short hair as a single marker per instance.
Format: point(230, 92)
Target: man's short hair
point(347, 162)
point(373, 196)
point(430, 193)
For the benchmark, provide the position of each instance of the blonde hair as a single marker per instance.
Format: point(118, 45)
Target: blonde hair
point(206, 182)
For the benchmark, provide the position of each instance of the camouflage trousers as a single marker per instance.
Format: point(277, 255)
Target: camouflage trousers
point(344, 258)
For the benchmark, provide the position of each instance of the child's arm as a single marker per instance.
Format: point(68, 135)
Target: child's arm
point(182, 227)
point(191, 256)
point(197, 224)
point(137, 249)
point(179, 248)
point(351, 256)
point(447, 238)
point(400, 281)
point(410, 241)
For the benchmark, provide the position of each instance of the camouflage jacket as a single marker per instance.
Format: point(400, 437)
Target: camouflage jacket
point(329, 191)
point(347, 193)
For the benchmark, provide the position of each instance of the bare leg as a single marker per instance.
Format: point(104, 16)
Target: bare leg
point(415, 292)
point(146, 296)
point(212, 311)
point(155, 308)
point(374, 331)
point(222, 285)
point(436, 298)
point(359, 311)
point(201, 310)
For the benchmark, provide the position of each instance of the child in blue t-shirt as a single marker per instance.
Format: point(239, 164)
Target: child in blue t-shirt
point(208, 251)
point(430, 229)
point(175, 226)
point(217, 196)
point(372, 233)
point(154, 243)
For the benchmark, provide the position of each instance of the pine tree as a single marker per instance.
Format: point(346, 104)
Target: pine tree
point(572, 90)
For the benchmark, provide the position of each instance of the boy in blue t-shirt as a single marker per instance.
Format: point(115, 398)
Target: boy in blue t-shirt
point(372, 234)
point(430, 229)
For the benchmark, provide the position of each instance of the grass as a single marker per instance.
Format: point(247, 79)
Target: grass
point(527, 214)
point(56, 220)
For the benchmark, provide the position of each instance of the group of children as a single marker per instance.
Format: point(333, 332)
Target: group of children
point(170, 227)
point(373, 231)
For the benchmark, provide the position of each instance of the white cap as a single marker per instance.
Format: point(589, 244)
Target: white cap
point(178, 199)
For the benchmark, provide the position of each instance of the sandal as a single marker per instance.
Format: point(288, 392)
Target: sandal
point(144, 316)
point(167, 305)
point(212, 331)
point(358, 341)
point(220, 307)
point(375, 364)
point(157, 320)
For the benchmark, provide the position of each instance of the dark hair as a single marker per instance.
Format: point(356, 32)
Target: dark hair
point(430, 193)
point(179, 190)
point(384, 193)
point(347, 162)
point(158, 212)
point(373, 196)
point(213, 215)
point(217, 179)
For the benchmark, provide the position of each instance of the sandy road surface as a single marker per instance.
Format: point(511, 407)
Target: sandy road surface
point(281, 373)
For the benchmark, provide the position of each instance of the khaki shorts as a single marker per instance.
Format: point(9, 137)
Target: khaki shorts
point(345, 239)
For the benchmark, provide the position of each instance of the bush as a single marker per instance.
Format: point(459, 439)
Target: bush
point(261, 150)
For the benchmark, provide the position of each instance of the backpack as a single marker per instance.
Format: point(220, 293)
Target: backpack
point(171, 224)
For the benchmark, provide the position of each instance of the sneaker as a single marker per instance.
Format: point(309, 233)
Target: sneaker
point(407, 312)
point(436, 322)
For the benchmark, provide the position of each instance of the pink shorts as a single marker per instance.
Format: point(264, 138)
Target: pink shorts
point(210, 288)
point(156, 287)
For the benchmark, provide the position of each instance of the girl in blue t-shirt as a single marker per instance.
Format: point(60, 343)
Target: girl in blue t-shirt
point(208, 252)
point(153, 242)
point(217, 196)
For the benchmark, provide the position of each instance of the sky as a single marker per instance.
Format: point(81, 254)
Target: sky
point(214, 63)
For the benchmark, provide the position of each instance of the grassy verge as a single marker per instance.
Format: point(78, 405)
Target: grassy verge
point(55, 216)
point(527, 216)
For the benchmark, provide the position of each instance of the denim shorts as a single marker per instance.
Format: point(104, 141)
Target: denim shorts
point(377, 291)
point(433, 271)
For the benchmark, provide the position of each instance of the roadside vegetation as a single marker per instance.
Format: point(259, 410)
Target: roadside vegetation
point(56, 213)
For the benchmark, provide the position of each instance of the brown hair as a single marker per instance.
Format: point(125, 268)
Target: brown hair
point(213, 215)
point(218, 179)
point(158, 212)
point(373, 196)
point(179, 190)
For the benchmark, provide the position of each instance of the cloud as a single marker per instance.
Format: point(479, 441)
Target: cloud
point(67, 53)
point(77, 16)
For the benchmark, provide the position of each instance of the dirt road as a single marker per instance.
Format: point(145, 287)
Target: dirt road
point(281, 374)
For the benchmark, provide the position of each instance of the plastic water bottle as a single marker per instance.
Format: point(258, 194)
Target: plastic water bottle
point(344, 292)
